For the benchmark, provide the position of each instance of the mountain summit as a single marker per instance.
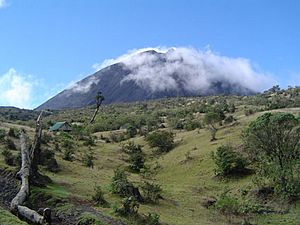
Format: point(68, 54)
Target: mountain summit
point(152, 74)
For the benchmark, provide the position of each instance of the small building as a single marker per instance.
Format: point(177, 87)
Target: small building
point(61, 126)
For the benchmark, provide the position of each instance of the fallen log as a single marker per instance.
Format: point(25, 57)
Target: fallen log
point(24, 174)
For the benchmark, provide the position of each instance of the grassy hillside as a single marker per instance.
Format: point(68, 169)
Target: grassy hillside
point(186, 173)
point(7, 218)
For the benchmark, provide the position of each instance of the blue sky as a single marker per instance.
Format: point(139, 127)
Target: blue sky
point(46, 45)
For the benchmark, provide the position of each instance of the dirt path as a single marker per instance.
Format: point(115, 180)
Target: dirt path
point(9, 188)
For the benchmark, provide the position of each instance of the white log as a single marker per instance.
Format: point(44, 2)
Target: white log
point(17, 203)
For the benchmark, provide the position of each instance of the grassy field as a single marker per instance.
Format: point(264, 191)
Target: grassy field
point(184, 182)
point(186, 175)
point(6, 218)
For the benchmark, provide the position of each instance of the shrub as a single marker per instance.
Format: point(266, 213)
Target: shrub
point(248, 112)
point(227, 205)
point(89, 140)
point(2, 135)
point(211, 119)
point(87, 159)
point(121, 186)
point(131, 148)
point(136, 156)
point(273, 142)
point(228, 161)
point(68, 154)
point(8, 157)
point(228, 119)
point(10, 144)
point(13, 132)
point(130, 207)
point(151, 192)
point(46, 138)
point(47, 159)
point(137, 161)
point(68, 143)
point(131, 131)
point(88, 219)
point(151, 219)
point(163, 140)
point(98, 197)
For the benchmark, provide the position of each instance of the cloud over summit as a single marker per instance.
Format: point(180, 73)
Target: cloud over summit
point(160, 69)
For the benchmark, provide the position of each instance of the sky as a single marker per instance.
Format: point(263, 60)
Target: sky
point(46, 46)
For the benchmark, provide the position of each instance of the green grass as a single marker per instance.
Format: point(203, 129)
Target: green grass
point(6, 218)
point(184, 182)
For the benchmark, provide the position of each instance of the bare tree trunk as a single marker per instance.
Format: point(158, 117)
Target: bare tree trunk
point(35, 149)
point(24, 174)
point(95, 113)
point(99, 99)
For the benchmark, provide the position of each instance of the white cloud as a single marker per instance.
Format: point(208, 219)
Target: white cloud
point(127, 56)
point(196, 70)
point(3, 3)
point(16, 90)
point(84, 85)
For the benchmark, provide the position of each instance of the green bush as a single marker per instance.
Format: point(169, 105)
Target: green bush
point(137, 161)
point(88, 219)
point(13, 132)
point(98, 196)
point(2, 135)
point(87, 159)
point(131, 148)
point(88, 140)
point(121, 186)
point(47, 159)
point(249, 111)
point(228, 161)
point(131, 131)
point(151, 192)
point(163, 140)
point(8, 157)
point(46, 138)
point(227, 205)
point(151, 219)
point(68, 154)
point(130, 207)
point(136, 156)
point(10, 144)
point(228, 119)
point(272, 143)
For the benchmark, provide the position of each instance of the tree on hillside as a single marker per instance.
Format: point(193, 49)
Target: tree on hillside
point(273, 141)
point(163, 140)
point(211, 119)
point(99, 100)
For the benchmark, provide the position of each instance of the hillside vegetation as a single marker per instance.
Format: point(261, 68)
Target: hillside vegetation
point(179, 161)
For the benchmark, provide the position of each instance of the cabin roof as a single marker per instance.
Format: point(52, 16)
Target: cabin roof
point(57, 125)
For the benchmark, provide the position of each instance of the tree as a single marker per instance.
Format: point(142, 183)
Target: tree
point(99, 100)
point(273, 142)
point(162, 139)
point(211, 119)
point(228, 161)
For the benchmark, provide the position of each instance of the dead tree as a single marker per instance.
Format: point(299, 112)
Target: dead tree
point(99, 100)
point(28, 168)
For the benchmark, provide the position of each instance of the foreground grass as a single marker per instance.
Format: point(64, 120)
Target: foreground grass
point(6, 218)
point(185, 182)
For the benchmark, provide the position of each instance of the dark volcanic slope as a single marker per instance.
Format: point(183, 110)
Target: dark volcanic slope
point(108, 81)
